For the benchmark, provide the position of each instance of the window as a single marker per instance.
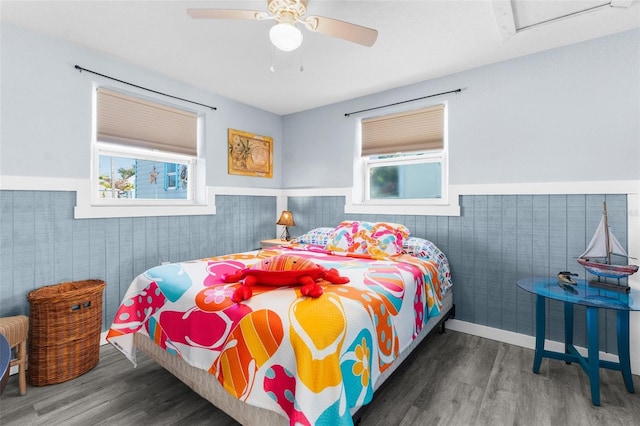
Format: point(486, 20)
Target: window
point(404, 176)
point(144, 151)
point(171, 176)
point(403, 157)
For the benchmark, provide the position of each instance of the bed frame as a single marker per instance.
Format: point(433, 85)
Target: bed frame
point(204, 384)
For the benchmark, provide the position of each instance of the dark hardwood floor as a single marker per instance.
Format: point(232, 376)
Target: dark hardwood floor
point(452, 379)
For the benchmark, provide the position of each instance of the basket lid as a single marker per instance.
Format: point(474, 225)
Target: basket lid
point(65, 289)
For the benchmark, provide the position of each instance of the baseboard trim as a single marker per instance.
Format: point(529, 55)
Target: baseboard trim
point(517, 339)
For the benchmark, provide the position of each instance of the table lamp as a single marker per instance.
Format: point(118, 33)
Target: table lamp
point(286, 219)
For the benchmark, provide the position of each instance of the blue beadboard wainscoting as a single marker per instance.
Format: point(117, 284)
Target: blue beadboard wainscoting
point(42, 244)
point(496, 240)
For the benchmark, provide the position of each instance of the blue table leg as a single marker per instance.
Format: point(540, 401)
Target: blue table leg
point(568, 328)
point(593, 356)
point(540, 331)
point(623, 349)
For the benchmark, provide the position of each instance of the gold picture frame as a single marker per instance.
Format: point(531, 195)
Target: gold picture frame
point(249, 154)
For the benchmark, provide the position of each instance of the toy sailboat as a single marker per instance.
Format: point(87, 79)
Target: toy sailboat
point(602, 246)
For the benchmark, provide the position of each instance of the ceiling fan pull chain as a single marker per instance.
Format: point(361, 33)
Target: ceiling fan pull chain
point(300, 68)
point(272, 68)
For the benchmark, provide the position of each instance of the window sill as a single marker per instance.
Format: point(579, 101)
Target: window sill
point(91, 212)
point(449, 206)
point(84, 209)
point(415, 210)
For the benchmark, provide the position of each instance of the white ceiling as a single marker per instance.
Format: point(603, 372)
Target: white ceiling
point(418, 40)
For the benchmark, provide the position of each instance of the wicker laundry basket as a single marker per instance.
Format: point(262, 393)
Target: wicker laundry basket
point(64, 331)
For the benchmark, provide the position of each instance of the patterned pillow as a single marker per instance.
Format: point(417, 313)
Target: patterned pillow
point(419, 247)
point(379, 239)
point(317, 237)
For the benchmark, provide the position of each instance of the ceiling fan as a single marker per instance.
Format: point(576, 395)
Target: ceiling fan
point(285, 35)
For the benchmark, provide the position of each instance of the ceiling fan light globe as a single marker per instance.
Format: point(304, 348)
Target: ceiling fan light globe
point(286, 37)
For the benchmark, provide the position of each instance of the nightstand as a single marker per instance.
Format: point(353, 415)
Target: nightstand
point(264, 244)
point(592, 299)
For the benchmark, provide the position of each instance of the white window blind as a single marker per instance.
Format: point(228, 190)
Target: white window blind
point(411, 131)
point(137, 122)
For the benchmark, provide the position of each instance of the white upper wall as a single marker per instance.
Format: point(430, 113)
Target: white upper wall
point(46, 110)
point(565, 115)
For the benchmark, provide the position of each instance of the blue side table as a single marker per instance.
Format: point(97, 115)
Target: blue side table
point(593, 299)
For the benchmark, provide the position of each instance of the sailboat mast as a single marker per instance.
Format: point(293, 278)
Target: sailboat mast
point(606, 228)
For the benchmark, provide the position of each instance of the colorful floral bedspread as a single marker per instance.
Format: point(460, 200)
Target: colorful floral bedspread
point(315, 361)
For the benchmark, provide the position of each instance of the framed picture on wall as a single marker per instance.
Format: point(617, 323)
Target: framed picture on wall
point(250, 155)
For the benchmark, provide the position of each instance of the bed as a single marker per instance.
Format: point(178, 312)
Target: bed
point(280, 357)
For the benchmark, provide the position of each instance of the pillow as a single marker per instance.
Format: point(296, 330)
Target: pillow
point(419, 247)
point(350, 237)
point(317, 237)
point(376, 239)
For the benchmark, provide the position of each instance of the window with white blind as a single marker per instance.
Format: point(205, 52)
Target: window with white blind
point(403, 158)
point(145, 152)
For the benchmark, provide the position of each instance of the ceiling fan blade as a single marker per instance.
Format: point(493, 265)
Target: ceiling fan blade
point(344, 30)
point(227, 14)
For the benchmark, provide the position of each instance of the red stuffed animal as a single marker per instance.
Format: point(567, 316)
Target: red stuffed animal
point(280, 271)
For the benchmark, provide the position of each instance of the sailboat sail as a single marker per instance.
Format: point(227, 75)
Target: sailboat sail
point(598, 245)
point(602, 245)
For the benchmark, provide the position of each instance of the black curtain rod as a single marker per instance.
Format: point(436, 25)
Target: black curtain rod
point(79, 68)
point(402, 102)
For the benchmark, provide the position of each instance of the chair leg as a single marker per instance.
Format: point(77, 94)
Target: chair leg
point(22, 364)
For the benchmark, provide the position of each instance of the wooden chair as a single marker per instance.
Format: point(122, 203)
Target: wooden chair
point(16, 330)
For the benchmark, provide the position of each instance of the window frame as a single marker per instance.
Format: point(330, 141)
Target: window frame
point(202, 198)
point(196, 190)
point(447, 205)
point(168, 175)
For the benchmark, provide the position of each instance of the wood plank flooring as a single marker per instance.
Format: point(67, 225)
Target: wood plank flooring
point(452, 379)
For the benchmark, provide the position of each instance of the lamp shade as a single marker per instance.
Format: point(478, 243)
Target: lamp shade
point(286, 219)
point(285, 36)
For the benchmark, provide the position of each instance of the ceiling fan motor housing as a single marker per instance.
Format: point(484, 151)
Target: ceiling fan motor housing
point(287, 11)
